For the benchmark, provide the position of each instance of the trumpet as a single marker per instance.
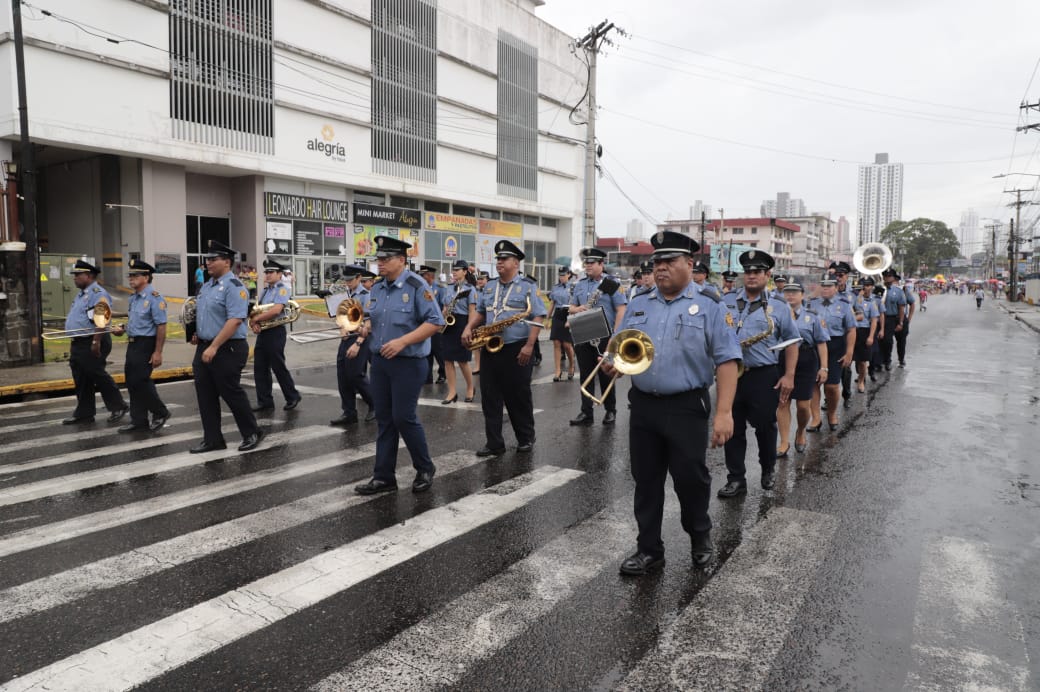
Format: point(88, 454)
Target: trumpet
point(102, 325)
point(349, 317)
point(630, 351)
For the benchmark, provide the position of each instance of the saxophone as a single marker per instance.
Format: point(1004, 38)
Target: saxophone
point(755, 338)
point(489, 336)
point(449, 312)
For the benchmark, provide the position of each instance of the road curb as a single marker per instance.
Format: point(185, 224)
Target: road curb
point(67, 385)
point(1027, 323)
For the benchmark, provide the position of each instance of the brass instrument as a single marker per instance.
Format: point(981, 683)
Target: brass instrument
point(102, 324)
point(755, 338)
point(449, 312)
point(349, 317)
point(290, 313)
point(489, 336)
point(630, 351)
point(188, 317)
point(872, 258)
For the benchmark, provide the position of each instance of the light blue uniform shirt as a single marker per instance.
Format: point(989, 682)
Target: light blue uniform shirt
point(809, 326)
point(864, 309)
point(443, 294)
point(220, 300)
point(847, 293)
point(81, 312)
point(146, 312)
point(911, 298)
point(749, 319)
point(836, 314)
point(894, 297)
point(277, 293)
point(467, 298)
point(399, 307)
point(500, 301)
point(690, 339)
point(560, 295)
point(610, 304)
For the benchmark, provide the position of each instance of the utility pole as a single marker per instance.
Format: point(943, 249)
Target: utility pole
point(1016, 223)
point(703, 249)
point(591, 43)
point(28, 188)
point(1029, 126)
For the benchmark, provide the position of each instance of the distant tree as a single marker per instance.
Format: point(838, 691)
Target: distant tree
point(920, 242)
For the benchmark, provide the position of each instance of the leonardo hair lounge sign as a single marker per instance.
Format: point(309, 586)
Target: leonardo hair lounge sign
point(282, 206)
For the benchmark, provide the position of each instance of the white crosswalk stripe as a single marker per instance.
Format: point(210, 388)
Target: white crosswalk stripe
point(150, 651)
point(50, 423)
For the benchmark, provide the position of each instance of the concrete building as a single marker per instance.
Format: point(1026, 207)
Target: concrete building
point(782, 207)
point(880, 198)
point(843, 243)
point(775, 236)
point(299, 133)
point(814, 245)
point(634, 231)
point(969, 235)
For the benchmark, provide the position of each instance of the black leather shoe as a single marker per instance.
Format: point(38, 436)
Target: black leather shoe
point(441, 380)
point(768, 480)
point(251, 442)
point(610, 418)
point(525, 447)
point(799, 447)
point(701, 549)
point(374, 486)
point(118, 415)
point(815, 428)
point(158, 422)
point(74, 421)
point(345, 419)
point(133, 427)
point(873, 377)
point(847, 403)
point(888, 367)
point(833, 426)
point(486, 451)
point(902, 364)
point(202, 447)
point(638, 564)
point(370, 416)
point(582, 420)
point(423, 481)
point(290, 405)
point(262, 407)
point(732, 489)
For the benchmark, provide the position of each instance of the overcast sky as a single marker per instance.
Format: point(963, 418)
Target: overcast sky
point(948, 77)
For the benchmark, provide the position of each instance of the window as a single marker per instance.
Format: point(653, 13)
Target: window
point(539, 262)
point(377, 198)
point(437, 207)
point(515, 218)
point(489, 214)
point(463, 210)
point(404, 202)
point(531, 220)
point(221, 63)
point(754, 231)
point(549, 223)
point(517, 117)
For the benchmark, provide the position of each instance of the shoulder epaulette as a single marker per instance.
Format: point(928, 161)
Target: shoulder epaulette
point(235, 282)
point(811, 311)
point(529, 280)
point(155, 294)
point(643, 290)
point(416, 282)
point(377, 279)
point(711, 292)
point(97, 289)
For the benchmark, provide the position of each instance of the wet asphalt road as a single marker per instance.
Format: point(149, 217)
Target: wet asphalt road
point(900, 552)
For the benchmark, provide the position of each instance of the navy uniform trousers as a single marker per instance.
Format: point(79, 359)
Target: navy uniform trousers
point(268, 356)
point(221, 379)
point(755, 403)
point(396, 384)
point(144, 398)
point(435, 356)
point(88, 374)
point(669, 435)
point(587, 356)
point(350, 375)
point(504, 381)
point(890, 336)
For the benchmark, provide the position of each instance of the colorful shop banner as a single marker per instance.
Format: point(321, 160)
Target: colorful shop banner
point(451, 246)
point(364, 239)
point(486, 250)
point(451, 223)
point(503, 229)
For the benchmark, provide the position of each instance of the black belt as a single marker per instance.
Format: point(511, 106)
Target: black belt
point(207, 342)
point(760, 367)
point(807, 347)
point(132, 339)
point(688, 392)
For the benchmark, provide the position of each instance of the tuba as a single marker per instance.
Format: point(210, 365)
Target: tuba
point(290, 314)
point(490, 336)
point(872, 258)
point(630, 351)
point(188, 317)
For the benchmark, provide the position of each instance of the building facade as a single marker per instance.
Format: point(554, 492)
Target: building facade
point(815, 245)
point(299, 129)
point(783, 207)
point(775, 236)
point(880, 198)
point(969, 235)
point(843, 240)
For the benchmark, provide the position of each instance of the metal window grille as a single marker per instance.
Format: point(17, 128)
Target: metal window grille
point(221, 71)
point(404, 88)
point(517, 117)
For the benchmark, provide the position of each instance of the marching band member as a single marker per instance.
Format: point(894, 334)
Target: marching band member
point(700, 273)
point(670, 404)
point(591, 293)
point(269, 351)
point(838, 318)
point(780, 281)
point(760, 322)
point(867, 316)
point(911, 308)
point(429, 275)
point(462, 302)
point(353, 356)
point(482, 279)
point(146, 332)
point(729, 281)
point(895, 315)
point(88, 352)
point(506, 374)
point(221, 352)
point(403, 315)
point(846, 292)
point(808, 374)
point(559, 334)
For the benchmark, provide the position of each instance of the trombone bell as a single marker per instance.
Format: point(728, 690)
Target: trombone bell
point(630, 351)
point(349, 315)
point(102, 319)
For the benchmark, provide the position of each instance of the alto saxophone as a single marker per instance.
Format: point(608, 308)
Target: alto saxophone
point(489, 336)
point(449, 312)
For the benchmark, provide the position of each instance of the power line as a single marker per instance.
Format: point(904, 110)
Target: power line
point(642, 212)
point(667, 207)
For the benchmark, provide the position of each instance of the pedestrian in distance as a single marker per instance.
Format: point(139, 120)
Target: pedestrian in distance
point(980, 295)
point(146, 335)
point(269, 352)
point(429, 275)
point(89, 348)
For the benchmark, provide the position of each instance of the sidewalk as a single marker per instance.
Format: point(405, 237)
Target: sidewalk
point(1025, 313)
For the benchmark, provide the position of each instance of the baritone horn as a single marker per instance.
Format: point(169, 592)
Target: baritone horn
point(872, 258)
point(630, 351)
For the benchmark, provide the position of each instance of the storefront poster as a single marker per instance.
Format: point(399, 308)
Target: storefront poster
point(392, 217)
point(452, 223)
point(502, 229)
point(308, 241)
point(486, 250)
point(451, 246)
point(335, 241)
point(277, 247)
point(279, 230)
point(364, 239)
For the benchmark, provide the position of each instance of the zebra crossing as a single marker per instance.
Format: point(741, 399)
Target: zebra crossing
point(729, 632)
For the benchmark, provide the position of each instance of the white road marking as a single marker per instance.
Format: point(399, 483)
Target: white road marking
point(967, 634)
point(22, 427)
point(65, 587)
point(438, 651)
point(55, 532)
point(733, 629)
point(148, 467)
point(302, 389)
point(150, 651)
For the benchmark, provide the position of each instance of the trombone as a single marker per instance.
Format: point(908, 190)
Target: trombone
point(630, 351)
point(102, 325)
point(349, 317)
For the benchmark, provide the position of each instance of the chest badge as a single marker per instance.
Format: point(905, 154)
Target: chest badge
point(404, 298)
point(769, 309)
point(694, 309)
point(146, 305)
point(729, 319)
point(808, 319)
